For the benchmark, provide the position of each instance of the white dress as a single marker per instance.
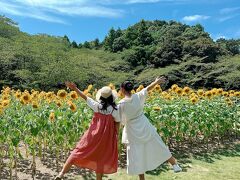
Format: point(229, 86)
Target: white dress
point(145, 148)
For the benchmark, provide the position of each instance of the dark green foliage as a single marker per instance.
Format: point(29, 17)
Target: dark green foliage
point(186, 54)
point(74, 44)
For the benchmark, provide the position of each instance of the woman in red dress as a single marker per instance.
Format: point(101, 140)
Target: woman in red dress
point(97, 150)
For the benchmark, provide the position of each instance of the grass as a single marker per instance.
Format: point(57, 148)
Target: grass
point(220, 164)
point(225, 168)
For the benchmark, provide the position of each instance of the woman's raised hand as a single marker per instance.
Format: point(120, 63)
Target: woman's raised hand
point(160, 80)
point(71, 85)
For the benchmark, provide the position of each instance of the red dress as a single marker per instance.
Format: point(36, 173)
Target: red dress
point(97, 149)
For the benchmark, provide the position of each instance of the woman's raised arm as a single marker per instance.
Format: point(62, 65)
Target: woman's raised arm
point(73, 86)
point(158, 80)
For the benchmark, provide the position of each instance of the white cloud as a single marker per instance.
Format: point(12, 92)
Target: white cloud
point(229, 10)
point(195, 18)
point(50, 10)
point(24, 12)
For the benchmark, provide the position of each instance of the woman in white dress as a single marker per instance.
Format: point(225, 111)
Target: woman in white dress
point(145, 148)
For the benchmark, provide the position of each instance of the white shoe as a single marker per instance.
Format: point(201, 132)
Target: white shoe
point(177, 168)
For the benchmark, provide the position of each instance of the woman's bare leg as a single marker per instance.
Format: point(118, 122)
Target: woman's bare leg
point(141, 177)
point(65, 169)
point(172, 160)
point(99, 176)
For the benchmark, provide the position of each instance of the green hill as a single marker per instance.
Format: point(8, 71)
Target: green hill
point(186, 54)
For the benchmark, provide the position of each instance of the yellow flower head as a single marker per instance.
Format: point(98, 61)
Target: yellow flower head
point(186, 90)
point(62, 94)
point(225, 94)
point(59, 103)
point(35, 105)
point(179, 91)
point(220, 91)
point(73, 95)
point(111, 86)
point(26, 97)
point(231, 92)
point(194, 100)
point(200, 92)
point(18, 95)
point(208, 94)
point(85, 91)
point(90, 87)
point(141, 87)
point(174, 87)
point(156, 108)
point(72, 106)
point(237, 94)
point(52, 116)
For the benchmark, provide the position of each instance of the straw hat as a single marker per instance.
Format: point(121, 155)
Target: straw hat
point(106, 92)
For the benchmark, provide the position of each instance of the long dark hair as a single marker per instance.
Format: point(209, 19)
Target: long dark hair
point(105, 102)
point(127, 85)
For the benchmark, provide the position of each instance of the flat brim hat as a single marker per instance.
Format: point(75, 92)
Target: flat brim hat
point(106, 92)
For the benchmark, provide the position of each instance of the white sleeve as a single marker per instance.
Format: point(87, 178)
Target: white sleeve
point(142, 95)
point(121, 113)
point(116, 114)
point(94, 105)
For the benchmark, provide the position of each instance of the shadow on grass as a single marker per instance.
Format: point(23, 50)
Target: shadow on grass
point(207, 153)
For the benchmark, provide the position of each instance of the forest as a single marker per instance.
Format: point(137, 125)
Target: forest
point(186, 55)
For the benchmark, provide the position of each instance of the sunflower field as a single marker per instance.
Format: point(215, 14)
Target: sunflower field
point(51, 122)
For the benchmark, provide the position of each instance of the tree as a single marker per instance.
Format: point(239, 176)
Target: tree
point(74, 44)
point(96, 43)
point(86, 44)
point(118, 44)
point(8, 28)
point(144, 38)
point(202, 47)
point(169, 52)
point(108, 41)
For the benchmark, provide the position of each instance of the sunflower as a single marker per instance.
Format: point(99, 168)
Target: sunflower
point(1, 110)
point(5, 97)
point(194, 100)
point(156, 108)
point(219, 91)
point(58, 103)
point(72, 106)
point(231, 92)
point(174, 87)
point(227, 99)
point(90, 87)
point(208, 94)
point(230, 103)
point(237, 94)
point(49, 95)
point(157, 87)
point(62, 94)
point(133, 92)
point(168, 97)
point(26, 97)
point(52, 116)
point(85, 91)
point(73, 95)
point(111, 86)
point(18, 95)
point(141, 87)
point(225, 94)
point(200, 92)
point(214, 91)
point(186, 90)
point(179, 91)
point(35, 105)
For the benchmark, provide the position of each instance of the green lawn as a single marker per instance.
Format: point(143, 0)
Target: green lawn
point(223, 164)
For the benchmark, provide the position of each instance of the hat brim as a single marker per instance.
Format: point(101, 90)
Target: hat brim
point(98, 95)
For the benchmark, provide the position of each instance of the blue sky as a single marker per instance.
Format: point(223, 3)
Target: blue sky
point(83, 20)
